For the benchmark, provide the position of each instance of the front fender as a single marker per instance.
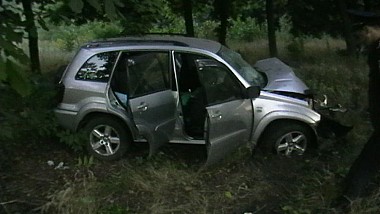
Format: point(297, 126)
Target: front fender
point(282, 115)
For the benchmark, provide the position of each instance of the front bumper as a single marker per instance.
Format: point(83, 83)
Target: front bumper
point(332, 124)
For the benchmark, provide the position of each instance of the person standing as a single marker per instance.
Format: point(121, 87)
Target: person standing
point(363, 171)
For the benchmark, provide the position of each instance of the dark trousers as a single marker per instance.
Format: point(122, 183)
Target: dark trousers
point(364, 168)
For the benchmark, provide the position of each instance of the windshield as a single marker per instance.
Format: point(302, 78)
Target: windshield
point(234, 59)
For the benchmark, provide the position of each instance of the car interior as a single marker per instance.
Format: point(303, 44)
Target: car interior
point(192, 95)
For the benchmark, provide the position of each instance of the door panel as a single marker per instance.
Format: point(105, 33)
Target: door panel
point(154, 116)
point(229, 115)
point(228, 127)
point(142, 83)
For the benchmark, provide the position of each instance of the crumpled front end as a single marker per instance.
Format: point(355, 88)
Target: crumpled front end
point(282, 80)
point(333, 123)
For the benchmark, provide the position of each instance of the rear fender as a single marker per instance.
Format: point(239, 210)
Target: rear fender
point(93, 109)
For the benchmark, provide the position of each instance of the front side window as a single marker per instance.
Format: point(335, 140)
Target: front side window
point(98, 68)
point(219, 84)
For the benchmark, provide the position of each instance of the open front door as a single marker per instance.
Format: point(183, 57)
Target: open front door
point(228, 127)
point(229, 115)
point(148, 95)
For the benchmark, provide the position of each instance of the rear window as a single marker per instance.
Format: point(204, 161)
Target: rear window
point(98, 68)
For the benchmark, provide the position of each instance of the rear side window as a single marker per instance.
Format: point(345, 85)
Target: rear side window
point(148, 72)
point(98, 68)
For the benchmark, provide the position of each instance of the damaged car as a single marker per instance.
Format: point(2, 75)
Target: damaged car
point(174, 89)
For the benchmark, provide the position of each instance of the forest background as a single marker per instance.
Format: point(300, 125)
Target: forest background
point(37, 37)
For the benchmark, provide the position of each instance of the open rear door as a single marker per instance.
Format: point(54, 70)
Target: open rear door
point(154, 116)
point(147, 94)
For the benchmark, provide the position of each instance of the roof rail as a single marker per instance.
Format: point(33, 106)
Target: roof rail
point(133, 40)
point(168, 34)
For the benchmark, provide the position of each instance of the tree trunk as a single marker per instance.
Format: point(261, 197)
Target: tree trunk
point(188, 16)
point(347, 28)
point(222, 8)
point(31, 29)
point(271, 28)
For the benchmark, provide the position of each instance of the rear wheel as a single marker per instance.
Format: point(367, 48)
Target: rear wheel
point(287, 138)
point(107, 138)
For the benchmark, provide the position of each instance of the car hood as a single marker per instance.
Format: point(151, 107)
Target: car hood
point(280, 77)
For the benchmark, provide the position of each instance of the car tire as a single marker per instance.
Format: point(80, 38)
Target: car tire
point(287, 138)
point(107, 138)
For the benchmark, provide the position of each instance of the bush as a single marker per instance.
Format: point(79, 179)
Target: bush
point(296, 47)
point(246, 30)
point(206, 29)
point(70, 37)
point(26, 118)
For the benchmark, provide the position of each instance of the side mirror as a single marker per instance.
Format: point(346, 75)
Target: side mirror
point(253, 92)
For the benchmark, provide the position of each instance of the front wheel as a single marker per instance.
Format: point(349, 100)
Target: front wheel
point(107, 138)
point(287, 138)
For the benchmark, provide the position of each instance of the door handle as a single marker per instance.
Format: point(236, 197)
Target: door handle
point(142, 107)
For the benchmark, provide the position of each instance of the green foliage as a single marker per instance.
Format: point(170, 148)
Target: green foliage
point(70, 37)
point(160, 184)
point(228, 194)
point(292, 210)
point(29, 113)
point(206, 29)
point(25, 120)
point(247, 30)
point(75, 140)
point(135, 16)
point(76, 5)
point(86, 161)
point(16, 76)
point(11, 55)
point(169, 22)
point(108, 6)
point(316, 18)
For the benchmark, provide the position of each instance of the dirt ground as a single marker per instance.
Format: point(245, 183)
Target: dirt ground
point(29, 180)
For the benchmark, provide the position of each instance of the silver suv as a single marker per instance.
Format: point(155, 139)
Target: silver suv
point(173, 89)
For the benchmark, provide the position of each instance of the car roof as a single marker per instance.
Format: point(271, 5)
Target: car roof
point(157, 40)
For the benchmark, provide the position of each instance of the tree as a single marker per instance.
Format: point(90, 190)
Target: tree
point(31, 29)
point(184, 8)
point(347, 28)
point(135, 16)
point(271, 28)
point(188, 16)
point(307, 19)
point(13, 28)
point(222, 10)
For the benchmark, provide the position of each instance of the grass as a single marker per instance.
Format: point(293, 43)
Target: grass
point(171, 181)
point(164, 185)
